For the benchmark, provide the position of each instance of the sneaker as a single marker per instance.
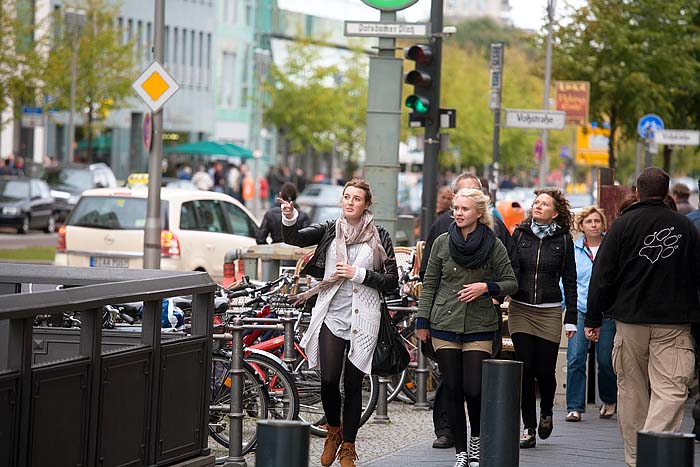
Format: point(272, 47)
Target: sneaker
point(608, 410)
point(443, 442)
point(473, 451)
point(461, 459)
point(546, 426)
point(528, 440)
point(573, 416)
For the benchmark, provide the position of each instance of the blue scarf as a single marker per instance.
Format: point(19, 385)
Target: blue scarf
point(543, 230)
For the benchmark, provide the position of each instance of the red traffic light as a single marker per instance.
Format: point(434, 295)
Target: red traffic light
point(420, 53)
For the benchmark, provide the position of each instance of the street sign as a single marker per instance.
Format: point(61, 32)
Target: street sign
point(677, 137)
point(535, 119)
point(379, 29)
point(155, 86)
point(147, 131)
point(592, 146)
point(389, 5)
point(32, 117)
point(448, 118)
point(649, 122)
point(572, 97)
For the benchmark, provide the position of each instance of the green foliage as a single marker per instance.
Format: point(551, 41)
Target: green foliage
point(314, 104)
point(21, 63)
point(640, 57)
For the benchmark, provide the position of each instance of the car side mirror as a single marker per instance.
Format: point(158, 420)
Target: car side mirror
point(100, 185)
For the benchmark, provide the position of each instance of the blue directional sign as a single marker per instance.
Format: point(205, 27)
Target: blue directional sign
point(649, 122)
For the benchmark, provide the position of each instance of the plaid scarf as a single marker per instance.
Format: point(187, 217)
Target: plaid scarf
point(348, 234)
point(543, 230)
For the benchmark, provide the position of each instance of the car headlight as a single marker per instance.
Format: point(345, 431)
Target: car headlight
point(10, 210)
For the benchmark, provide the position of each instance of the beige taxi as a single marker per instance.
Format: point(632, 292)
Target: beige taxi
point(106, 229)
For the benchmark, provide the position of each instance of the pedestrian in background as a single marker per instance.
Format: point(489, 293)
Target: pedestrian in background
point(680, 193)
point(645, 277)
point(355, 258)
point(272, 220)
point(591, 222)
point(546, 256)
point(443, 433)
point(468, 265)
point(201, 179)
point(444, 200)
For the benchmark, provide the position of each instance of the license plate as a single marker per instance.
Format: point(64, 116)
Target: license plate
point(108, 262)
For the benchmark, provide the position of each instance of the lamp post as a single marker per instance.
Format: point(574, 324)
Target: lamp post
point(262, 64)
point(544, 162)
point(74, 19)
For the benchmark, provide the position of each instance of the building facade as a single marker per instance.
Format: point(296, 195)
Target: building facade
point(461, 9)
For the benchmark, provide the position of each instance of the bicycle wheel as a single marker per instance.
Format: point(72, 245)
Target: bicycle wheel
point(311, 410)
point(255, 403)
point(281, 388)
point(395, 386)
point(409, 387)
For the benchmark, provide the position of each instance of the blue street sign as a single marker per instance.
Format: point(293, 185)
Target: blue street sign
point(649, 122)
point(31, 110)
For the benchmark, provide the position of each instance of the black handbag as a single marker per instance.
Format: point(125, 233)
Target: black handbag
point(390, 355)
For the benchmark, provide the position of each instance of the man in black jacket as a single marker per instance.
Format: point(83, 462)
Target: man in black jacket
point(272, 220)
point(465, 180)
point(646, 277)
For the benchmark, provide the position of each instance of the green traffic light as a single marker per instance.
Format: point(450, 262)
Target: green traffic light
point(417, 103)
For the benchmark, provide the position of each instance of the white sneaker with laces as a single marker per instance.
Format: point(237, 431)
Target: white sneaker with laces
point(473, 451)
point(461, 459)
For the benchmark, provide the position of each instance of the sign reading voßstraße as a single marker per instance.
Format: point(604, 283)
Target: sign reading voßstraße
point(677, 137)
point(379, 29)
point(535, 119)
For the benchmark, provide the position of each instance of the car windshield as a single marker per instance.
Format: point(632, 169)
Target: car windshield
point(102, 212)
point(79, 179)
point(14, 189)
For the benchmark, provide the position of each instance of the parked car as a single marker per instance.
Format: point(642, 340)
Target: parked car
point(26, 203)
point(68, 182)
point(106, 229)
point(320, 202)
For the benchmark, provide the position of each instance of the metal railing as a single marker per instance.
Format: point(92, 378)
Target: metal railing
point(141, 405)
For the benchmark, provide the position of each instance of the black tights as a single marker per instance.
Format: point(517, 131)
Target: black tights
point(461, 375)
point(539, 357)
point(332, 355)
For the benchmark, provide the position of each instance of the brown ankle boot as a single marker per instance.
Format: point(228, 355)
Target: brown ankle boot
point(347, 455)
point(334, 438)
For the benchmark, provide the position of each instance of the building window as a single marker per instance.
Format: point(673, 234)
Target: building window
point(140, 49)
point(167, 44)
point(176, 39)
point(248, 13)
point(208, 58)
point(227, 79)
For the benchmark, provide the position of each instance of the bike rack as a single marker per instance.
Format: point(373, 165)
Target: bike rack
point(235, 446)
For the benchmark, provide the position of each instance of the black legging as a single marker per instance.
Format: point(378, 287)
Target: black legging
point(331, 356)
point(461, 375)
point(539, 357)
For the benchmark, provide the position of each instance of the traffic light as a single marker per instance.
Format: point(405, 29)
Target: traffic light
point(421, 78)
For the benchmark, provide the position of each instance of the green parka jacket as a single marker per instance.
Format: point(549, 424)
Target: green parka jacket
point(439, 304)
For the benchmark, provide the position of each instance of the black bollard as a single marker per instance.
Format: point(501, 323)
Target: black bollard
point(501, 383)
point(665, 449)
point(282, 443)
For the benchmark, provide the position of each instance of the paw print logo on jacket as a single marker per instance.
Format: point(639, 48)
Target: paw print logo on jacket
point(660, 244)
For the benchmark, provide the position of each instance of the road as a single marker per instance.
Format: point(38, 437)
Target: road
point(12, 241)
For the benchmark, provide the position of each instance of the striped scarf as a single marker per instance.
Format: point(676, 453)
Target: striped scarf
point(543, 230)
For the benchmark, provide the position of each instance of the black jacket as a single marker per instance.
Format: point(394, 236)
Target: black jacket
point(272, 225)
point(322, 235)
point(647, 269)
point(542, 263)
point(442, 224)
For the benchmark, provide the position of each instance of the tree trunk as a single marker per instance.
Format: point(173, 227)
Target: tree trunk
point(667, 158)
point(88, 129)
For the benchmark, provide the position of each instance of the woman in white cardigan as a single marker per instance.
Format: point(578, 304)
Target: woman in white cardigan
point(355, 259)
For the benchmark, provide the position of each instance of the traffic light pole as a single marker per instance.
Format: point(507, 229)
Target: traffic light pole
point(384, 128)
point(431, 144)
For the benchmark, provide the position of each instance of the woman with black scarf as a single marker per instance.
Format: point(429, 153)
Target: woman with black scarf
point(467, 266)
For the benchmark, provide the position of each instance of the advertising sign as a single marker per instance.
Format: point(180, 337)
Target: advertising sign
point(572, 97)
point(592, 146)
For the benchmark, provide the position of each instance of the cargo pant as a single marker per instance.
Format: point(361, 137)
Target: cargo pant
point(654, 366)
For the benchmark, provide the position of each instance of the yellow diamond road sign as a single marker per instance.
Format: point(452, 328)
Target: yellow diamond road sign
point(155, 86)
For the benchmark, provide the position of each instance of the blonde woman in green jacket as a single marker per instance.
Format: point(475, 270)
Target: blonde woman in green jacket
point(468, 266)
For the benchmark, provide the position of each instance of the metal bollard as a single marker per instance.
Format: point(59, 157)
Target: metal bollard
point(235, 446)
point(381, 416)
point(665, 449)
point(501, 383)
point(290, 355)
point(282, 443)
point(421, 381)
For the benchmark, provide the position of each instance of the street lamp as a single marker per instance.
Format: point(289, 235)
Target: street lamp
point(544, 162)
point(263, 59)
point(74, 20)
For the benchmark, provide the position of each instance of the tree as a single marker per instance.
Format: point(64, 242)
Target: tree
point(105, 64)
point(640, 57)
point(317, 105)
